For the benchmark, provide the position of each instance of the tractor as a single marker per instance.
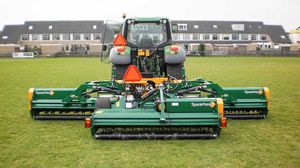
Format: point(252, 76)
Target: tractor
point(149, 95)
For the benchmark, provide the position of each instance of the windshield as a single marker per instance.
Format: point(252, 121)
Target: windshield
point(147, 34)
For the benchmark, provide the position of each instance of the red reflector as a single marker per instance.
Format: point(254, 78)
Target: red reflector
point(223, 122)
point(120, 48)
point(87, 122)
point(120, 40)
point(132, 74)
point(174, 48)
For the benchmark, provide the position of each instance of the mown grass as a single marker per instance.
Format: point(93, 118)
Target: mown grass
point(273, 142)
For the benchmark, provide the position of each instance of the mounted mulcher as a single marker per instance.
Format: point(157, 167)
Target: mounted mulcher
point(149, 95)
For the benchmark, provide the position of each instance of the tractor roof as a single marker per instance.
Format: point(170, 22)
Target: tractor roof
point(148, 19)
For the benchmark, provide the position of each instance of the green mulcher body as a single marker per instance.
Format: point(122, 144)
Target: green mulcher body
point(149, 95)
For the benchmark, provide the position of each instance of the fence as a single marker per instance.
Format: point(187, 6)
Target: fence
point(189, 53)
point(244, 53)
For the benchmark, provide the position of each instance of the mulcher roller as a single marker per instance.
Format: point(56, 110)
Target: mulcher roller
point(145, 132)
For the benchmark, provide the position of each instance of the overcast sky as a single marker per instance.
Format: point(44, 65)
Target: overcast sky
point(280, 12)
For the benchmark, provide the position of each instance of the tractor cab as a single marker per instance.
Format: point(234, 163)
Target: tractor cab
point(147, 33)
point(147, 44)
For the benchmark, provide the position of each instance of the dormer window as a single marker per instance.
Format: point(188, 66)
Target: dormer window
point(182, 26)
point(50, 27)
point(4, 37)
point(196, 27)
point(238, 27)
point(282, 36)
point(215, 26)
point(94, 27)
point(30, 27)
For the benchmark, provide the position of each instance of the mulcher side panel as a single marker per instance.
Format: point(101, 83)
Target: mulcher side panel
point(65, 103)
point(247, 103)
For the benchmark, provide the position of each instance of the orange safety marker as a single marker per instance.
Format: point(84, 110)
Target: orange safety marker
point(132, 74)
point(120, 40)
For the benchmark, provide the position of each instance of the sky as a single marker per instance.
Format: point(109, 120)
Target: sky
point(278, 12)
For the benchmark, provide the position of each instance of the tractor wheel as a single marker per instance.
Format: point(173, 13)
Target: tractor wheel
point(120, 71)
point(175, 70)
point(102, 103)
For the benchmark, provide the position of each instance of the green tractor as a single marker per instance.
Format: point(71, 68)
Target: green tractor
point(149, 95)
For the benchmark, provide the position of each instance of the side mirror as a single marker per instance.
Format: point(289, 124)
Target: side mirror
point(174, 28)
point(104, 47)
point(117, 29)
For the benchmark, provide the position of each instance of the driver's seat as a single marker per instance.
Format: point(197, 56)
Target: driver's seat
point(146, 41)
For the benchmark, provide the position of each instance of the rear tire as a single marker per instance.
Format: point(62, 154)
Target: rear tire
point(175, 70)
point(102, 103)
point(120, 71)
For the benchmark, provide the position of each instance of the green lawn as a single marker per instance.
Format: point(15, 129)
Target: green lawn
point(273, 142)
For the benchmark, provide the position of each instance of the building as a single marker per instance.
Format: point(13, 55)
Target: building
point(295, 39)
point(54, 37)
point(224, 36)
point(85, 37)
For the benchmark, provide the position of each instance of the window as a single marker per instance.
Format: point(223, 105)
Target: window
point(196, 36)
point(50, 27)
point(147, 34)
point(253, 37)
point(264, 37)
point(235, 37)
point(140, 27)
point(24, 37)
point(196, 27)
point(94, 27)
point(175, 36)
point(4, 37)
point(76, 37)
point(245, 37)
point(30, 27)
point(56, 36)
point(182, 26)
point(66, 37)
point(225, 36)
point(206, 37)
point(238, 27)
point(186, 37)
point(267, 46)
point(35, 37)
point(46, 37)
point(97, 36)
point(215, 26)
point(87, 36)
point(216, 37)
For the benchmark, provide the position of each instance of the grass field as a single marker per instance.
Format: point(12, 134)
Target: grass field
point(273, 142)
